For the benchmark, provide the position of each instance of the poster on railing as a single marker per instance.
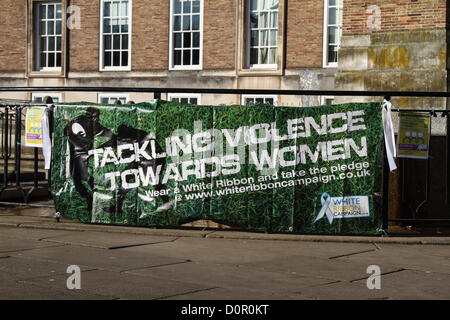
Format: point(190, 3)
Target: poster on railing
point(33, 127)
point(414, 135)
point(260, 168)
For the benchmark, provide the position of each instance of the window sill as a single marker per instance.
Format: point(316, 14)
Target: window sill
point(186, 68)
point(46, 74)
point(113, 69)
point(260, 72)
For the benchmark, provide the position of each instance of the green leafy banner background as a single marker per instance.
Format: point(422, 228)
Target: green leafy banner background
point(278, 209)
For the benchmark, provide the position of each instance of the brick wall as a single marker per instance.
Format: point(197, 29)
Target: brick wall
point(219, 34)
point(84, 42)
point(13, 35)
point(396, 15)
point(150, 42)
point(304, 41)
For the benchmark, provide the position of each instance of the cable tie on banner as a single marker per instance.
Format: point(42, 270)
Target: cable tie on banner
point(389, 138)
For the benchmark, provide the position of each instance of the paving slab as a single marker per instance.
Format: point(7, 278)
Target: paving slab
point(105, 240)
point(412, 284)
point(8, 245)
point(124, 286)
point(22, 268)
point(232, 277)
point(230, 294)
point(408, 257)
point(316, 267)
point(115, 260)
point(12, 290)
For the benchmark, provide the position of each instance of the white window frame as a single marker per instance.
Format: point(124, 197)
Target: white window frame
point(37, 49)
point(130, 23)
point(116, 96)
point(253, 96)
point(171, 47)
point(43, 95)
point(323, 99)
point(339, 4)
point(248, 37)
point(170, 96)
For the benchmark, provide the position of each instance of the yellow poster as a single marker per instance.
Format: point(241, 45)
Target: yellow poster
point(33, 127)
point(414, 136)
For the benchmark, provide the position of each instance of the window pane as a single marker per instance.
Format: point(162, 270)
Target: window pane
point(107, 40)
point(51, 60)
point(177, 40)
point(107, 59)
point(116, 58)
point(115, 26)
point(58, 43)
point(254, 38)
point(115, 9)
point(195, 57)
point(274, 20)
point(259, 100)
point(107, 25)
point(253, 56)
point(42, 11)
point(43, 44)
point(253, 20)
point(50, 11)
point(50, 27)
point(58, 11)
point(124, 58)
point(104, 101)
point(116, 42)
point(273, 37)
point(177, 23)
point(43, 62)
point(195, 6)
point(186, 40)
point(123, 100)
point(332, 54)
point(332, 2)
point(187, 6)
point(264, 56)
point(273, 56)
point(124, 25)
point(264, 38)
point(125, 42)
point(331, 34)
point(184, 100)
point(193, 101)
point(269, 101)
point(331, 15)
point(263, 22)
point(196, 40)
point(186, 57)
point(42, 29)
point(51, 44)
point(106, 9)
point(263, 4)
point(58, 27)
point(177, 6)
point(177, 57)
point(58, 59)
point(124, 9)
point(274, 4)
point(187, 22)
point(196, 22)
point(254, 5)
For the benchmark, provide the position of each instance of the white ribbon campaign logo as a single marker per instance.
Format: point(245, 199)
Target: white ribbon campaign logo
point(343, 207)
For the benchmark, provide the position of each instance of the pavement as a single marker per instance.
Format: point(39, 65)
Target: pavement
point(190, 263)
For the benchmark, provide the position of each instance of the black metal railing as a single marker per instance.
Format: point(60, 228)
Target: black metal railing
point(11, 121)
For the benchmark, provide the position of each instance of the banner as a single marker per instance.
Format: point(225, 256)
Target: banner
point(262, 168)
point(414, 136)
point(33, 127)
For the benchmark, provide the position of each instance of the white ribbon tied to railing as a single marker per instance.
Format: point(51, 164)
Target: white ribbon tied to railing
point(389, 139)
point(326, 208)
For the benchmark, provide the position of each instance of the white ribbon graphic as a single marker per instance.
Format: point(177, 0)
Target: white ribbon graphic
point(389, 139)
point(326, 209)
